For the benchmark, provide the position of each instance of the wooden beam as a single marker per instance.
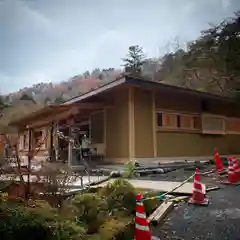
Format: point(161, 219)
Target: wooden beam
point(90, 106)
point(51, 118)
point(161, 212)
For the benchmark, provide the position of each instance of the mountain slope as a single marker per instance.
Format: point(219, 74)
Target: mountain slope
point(48, 92)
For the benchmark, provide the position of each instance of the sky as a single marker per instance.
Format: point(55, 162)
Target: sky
point(53, 40)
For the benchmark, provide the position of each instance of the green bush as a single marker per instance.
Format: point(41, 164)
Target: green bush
point(114, 229)
point(120, 196)
point(96, 216)
point(129, 170)
point(91, 210)
point(111, 228)
point(68, 230)
point(36, 222)
point(17, 223)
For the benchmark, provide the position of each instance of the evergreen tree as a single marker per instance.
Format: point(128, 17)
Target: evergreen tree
point(135, 59)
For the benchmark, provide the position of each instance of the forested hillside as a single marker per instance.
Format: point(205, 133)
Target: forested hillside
point(210, 63)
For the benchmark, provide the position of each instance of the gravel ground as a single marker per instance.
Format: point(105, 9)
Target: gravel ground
point(220, 220)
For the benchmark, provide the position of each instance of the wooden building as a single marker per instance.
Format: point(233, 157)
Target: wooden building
point(131, 118)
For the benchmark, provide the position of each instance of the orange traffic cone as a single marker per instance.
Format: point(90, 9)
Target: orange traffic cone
point(231, 178)
point(236, 168)
point(219, 164)
point(142, 227)
point(233, 170)
point(198, 196)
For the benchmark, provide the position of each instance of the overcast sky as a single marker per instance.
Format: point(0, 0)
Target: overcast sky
point(52, 40)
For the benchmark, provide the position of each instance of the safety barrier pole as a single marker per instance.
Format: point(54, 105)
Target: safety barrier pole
point(161, 197)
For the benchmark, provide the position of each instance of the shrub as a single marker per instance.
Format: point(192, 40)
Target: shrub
point(36, 222)
point(91, 210)
point(129, 171)
point(114, 229)
point(68, 230)
point(67, 210)
point(17, 223)
point(110, 229)
point(120, 197)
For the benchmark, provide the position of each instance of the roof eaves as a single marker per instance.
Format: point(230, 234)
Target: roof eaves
point(94, 92)
point(143, 82)
point(32, 115)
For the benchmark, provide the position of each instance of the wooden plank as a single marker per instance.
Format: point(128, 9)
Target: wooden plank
point(161, 212)
point(152, 216)
point(162, 186)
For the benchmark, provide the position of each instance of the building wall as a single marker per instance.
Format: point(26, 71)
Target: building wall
point(193, 144)
point(143, 123)
point(117, 126)
point(187, 144)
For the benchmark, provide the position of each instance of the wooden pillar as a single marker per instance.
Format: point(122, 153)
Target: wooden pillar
point(70, 148)
point(56, 142)
point(105, 130)
point(51, 150)
point(131, 123)
point(30, 157)
point(30, 146)
point(154, 124)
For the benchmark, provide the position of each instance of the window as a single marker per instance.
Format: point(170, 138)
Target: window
point(213, 124)
point(188, 121)
point(170, 120)
point(159, 119)
point(177, 121)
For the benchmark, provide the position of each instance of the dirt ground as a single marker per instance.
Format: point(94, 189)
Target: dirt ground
point(220, 220)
